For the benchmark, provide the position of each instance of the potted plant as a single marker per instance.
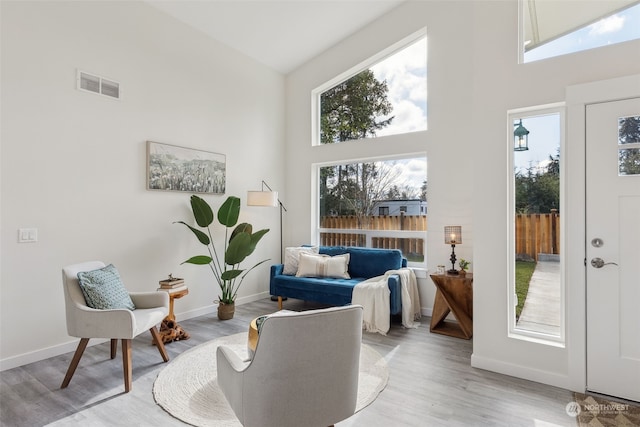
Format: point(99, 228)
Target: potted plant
point(464, 264)
point(239, 245)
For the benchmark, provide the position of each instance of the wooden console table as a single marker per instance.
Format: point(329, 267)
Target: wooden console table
point(454, 294)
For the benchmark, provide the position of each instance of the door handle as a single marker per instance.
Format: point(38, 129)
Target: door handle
point(599, 263)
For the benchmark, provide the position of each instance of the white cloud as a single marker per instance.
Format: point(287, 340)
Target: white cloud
point(411, 172)
point(405, 73)
point(608, 25)
point(408, 117)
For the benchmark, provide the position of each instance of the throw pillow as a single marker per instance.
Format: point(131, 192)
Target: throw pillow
point(103, 289)
point(292, 257)
point(323, 266)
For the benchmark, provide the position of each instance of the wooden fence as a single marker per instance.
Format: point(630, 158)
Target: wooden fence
point(535, 233)
point(387, 222)
point(411, 247)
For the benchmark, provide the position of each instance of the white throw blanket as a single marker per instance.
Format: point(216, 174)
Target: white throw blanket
point(374, 296)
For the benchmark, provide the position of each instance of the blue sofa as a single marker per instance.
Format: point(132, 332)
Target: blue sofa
point(364, 263)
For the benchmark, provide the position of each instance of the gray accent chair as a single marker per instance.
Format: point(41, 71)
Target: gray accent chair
point(304, 371)
point(85, 322)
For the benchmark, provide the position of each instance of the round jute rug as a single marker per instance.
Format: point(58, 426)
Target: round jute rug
point(188, 389)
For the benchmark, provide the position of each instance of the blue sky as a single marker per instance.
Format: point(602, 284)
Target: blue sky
point(544, 140)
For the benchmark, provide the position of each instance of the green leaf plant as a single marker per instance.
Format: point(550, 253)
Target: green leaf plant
point(242, 242)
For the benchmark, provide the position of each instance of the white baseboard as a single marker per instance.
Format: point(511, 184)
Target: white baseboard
point(519, 371)
point(71, 345)
point(45, 353)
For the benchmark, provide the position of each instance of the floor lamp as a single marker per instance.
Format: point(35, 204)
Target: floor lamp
point(270, 199)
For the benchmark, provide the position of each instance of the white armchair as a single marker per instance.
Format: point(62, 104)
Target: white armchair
point(304, 371)
point(85, 322)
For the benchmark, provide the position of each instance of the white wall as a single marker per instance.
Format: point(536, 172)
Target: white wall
point(73, 163)
point(501, 84)
point(473, 79)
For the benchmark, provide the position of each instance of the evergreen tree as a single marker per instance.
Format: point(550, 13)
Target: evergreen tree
point(353, 109)
point(539, 191)
point(629, 133)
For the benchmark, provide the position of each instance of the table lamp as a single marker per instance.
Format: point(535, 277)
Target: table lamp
point(453, 237)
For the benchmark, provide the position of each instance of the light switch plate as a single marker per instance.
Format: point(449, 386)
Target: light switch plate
point(27, 235)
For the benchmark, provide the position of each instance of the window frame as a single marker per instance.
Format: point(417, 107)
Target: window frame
point(512, 300)
point(364, 65)
point(369, 234)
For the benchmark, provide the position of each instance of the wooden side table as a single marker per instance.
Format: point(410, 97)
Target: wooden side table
point(169, 329)
point(454, 295)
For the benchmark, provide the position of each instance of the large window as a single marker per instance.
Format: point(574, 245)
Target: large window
point(374, 202)
point(378, 204)
point(384, 96)
point(536, 285)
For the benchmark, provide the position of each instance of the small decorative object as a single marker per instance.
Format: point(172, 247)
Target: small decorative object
point(440, 269)
point(172, 283)
point(464, 264)
point(237, 246)
point(170, 331)
point(173, 168)
point(453, 237)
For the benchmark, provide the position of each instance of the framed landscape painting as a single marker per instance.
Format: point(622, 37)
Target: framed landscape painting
point(174, 168)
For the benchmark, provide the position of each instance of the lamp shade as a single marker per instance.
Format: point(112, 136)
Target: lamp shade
point(262, 198)
point(453, 235)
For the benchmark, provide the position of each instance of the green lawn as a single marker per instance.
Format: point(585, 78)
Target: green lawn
point(524, 271)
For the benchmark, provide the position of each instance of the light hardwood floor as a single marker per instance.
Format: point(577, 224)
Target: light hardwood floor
point(431, 383)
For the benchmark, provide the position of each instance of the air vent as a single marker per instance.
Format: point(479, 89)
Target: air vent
point(99, 85)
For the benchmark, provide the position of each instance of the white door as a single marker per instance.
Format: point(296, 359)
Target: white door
point(613, 248)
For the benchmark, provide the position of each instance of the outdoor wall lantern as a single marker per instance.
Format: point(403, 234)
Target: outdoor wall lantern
point(453, 237)
point(520, 137)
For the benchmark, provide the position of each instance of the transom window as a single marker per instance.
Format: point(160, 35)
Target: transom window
point(553, 28)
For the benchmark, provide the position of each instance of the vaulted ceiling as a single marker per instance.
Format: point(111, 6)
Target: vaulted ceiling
point(284, 34)
point(280, 34)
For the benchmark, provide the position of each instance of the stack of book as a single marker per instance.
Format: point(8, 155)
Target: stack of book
point(172, 284)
